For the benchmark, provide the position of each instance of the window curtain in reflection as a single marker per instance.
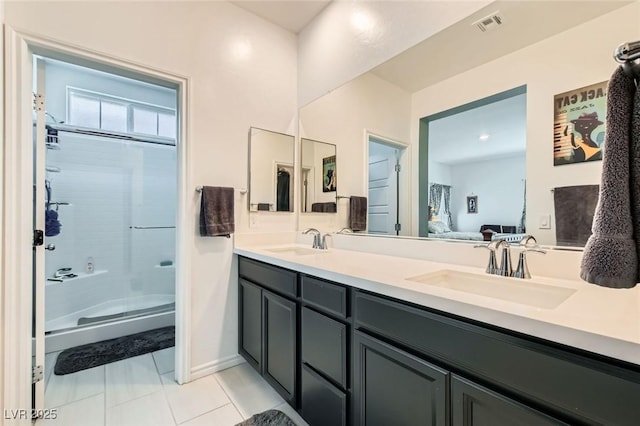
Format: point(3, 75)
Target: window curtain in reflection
point(282, 191)
point(523, 217)
point(446, 192)
point(435, 197)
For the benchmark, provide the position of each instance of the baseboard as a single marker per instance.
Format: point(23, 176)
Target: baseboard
point(215, 366)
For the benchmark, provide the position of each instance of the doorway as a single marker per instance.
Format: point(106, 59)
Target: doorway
point(26, 165)
point(387, 189)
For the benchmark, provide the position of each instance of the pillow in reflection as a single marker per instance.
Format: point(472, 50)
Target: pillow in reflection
point(438, 227)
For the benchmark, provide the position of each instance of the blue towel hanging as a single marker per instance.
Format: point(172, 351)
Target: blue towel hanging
point(52, 225)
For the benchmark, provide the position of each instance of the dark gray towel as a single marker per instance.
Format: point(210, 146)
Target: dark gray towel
point(216, 212)
point(635, 174)
point(264, 207)
point(329, 207)
point(574, 209)
point(610, 258)
point(358, 213)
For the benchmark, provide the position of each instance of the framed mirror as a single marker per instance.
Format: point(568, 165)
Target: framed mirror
point(318, 177)
point(271, 171)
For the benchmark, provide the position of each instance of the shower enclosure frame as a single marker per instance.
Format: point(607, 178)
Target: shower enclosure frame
point(17, 228)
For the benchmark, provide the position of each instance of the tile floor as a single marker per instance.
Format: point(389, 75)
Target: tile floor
point(141, 391)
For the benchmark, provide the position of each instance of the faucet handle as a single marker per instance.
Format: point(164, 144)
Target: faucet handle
point(492, 266)
point(522, 271)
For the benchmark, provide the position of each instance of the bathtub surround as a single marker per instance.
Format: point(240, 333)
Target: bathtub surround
point(107, 351)
point(610, 258)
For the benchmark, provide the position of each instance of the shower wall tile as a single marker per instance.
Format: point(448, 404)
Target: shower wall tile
point(111, 186)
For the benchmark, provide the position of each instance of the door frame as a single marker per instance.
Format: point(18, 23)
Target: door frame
point(404, 193)
point(16, 276)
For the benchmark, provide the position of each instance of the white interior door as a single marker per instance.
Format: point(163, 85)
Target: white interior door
point(39, 243)
point(383, 189)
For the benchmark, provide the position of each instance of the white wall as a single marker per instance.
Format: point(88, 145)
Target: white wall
point(499, 185)
point(341, 118)
point(350, 38)
point(242, 73)
point(440, 173)
point(575, 58)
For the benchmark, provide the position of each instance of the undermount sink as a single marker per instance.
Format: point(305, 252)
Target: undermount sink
point(299, 251)
point(525, 292)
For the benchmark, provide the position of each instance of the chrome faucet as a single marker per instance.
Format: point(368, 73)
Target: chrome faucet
point(522, 271)
point(505, 268)
point(505, 265)
point(317, 241)
point(323, 242)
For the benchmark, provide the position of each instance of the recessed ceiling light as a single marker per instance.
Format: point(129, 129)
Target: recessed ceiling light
point(484, 137)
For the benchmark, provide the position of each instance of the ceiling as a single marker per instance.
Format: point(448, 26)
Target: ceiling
point(456, 139)
point(291, 15)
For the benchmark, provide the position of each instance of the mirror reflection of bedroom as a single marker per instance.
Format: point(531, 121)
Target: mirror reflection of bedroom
point(477, 169)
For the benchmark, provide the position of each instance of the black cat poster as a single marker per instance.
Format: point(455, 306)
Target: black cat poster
point(579, 124)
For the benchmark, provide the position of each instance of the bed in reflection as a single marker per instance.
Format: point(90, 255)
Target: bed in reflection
point(439, 229)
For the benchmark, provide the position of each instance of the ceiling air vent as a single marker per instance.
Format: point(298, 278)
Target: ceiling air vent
point(489, 23)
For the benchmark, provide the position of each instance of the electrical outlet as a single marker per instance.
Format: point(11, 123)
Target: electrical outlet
point(544, 221)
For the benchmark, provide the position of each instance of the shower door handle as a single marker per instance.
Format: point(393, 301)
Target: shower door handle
point(50, 247)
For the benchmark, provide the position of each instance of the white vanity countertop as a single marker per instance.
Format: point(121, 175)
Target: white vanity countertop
point(601, 320)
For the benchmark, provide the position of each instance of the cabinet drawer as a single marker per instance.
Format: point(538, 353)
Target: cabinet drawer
point(324, 345)
point(562, 381)
point(325, 295)
point(322, 404)
point(280, 280)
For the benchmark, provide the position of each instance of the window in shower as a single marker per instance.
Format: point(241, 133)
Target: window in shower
point(95, 110)
point(115, 198)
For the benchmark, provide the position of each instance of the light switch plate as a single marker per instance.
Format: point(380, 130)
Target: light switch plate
point(544, 221)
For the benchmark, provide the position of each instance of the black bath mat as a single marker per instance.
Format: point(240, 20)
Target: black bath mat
point(268, 418)
point(106, 351)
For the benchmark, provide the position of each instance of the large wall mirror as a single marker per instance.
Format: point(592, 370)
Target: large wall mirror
point(445, 100)
point(319, 178)
point(271, 171)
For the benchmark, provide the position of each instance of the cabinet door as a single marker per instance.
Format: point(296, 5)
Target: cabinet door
point(250, 323)
point(392, 387)
point(474, 405)
point(321, 403)
point(280, 329)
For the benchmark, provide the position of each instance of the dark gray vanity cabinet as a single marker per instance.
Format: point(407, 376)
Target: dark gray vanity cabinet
point(343, 356)
point(268, 324)
point(392, 387)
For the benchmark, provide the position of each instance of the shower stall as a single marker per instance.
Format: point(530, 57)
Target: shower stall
point(111, 179)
